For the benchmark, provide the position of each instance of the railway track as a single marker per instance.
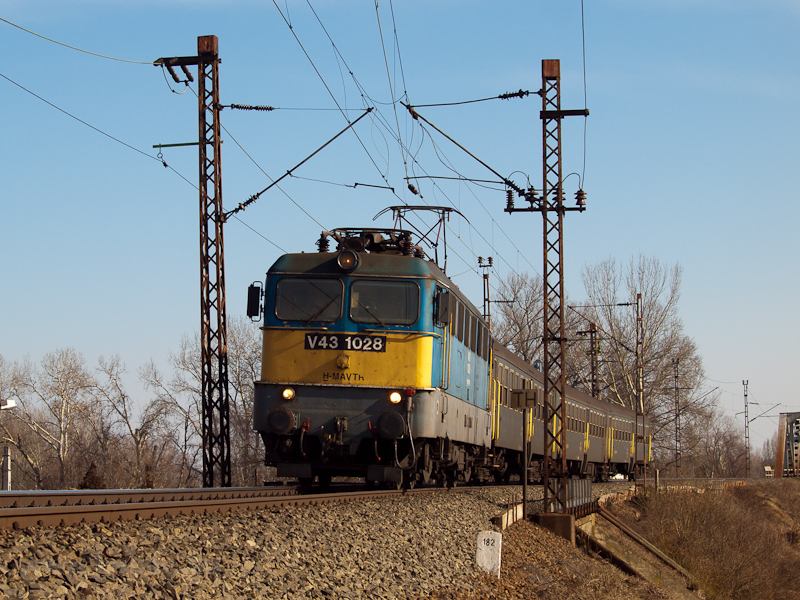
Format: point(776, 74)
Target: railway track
point(71, 507)
point(55, 508)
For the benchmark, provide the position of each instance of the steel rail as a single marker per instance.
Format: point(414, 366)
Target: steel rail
point(23, 499)
point(65, 508)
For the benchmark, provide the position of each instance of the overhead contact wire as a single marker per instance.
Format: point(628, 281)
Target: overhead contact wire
point(161, 160)
point(137, 62)
point(391, 89)
point(324, 83)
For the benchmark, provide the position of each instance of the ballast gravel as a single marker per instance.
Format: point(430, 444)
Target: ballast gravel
point(399, 547)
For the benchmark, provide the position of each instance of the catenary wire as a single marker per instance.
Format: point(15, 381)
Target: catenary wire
point(161, 160)
point(137, 62)
point(391, 89)
point(100, 131)
point(235, 141)
point(325, 84)
point(377, 117)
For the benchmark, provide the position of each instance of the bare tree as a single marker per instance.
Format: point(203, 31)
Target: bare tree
point(53, 401)
point(134, 431)
point(611, 291)
point(244, 368)
point(766, 456)
point(13, 432)
point(180, 398)
point(518, 318)
point(519, 324)
point(8, 380)
point(716, 446)
point(181, 395)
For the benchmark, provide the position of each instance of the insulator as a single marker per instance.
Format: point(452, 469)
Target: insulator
point(322, 243)
point(249, 107)
point(413, 189)
point(405, 245)
point(580, 197)
point(419, 252)
point(509, 200)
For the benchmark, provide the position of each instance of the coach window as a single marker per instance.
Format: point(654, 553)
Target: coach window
point(384, 302)
point(460, 325)
point(473, 331)
point(305, 299)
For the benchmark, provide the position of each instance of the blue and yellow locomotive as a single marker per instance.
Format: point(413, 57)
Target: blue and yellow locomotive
point(374, 365)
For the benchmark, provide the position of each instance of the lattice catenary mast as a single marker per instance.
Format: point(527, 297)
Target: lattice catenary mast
point(213, 326)
point(551, 205)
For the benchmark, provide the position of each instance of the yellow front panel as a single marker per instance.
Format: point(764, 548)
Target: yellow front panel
point(407, 361)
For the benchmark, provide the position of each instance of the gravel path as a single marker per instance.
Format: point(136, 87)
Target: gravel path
point(409, 547)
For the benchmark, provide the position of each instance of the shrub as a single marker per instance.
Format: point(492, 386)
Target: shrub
point(736, 542)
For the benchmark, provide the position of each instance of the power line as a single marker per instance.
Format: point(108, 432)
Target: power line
point(378, 118)
point(322, 79)
point(506, 96)
point(100, 131)
point(235, 141)
point(156, 158)
point(137, 62)
point(391, 89)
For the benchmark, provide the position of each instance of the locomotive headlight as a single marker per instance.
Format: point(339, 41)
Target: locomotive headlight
point(288, 394)
point(395, 397)
point(347, 260)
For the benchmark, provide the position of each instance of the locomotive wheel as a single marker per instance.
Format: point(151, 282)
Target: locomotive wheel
point(426, 466)
point(467, 473)
point(501, 474)
point(402, 484)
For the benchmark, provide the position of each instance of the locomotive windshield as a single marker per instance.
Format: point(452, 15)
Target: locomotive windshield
point(300, 299)
point(384, 302)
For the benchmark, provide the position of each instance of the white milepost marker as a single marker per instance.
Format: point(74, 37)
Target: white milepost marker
point(490, 544)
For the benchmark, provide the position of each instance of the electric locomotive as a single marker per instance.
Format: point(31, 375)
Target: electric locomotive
point(375, 365)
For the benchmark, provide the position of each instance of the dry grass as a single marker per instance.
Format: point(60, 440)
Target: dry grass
point(538, 564)
point(741, 543)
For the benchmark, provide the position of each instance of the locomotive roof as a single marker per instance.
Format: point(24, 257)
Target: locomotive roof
point(370, 264)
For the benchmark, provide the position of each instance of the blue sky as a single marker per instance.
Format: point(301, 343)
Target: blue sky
point(691, 152)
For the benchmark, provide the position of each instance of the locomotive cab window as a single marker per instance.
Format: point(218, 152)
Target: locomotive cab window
point(302, 299)
point(384, 302)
